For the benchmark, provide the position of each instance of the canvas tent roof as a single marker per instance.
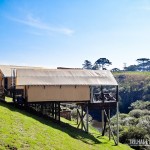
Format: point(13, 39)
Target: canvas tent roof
point(7, 69)
point(64, 77)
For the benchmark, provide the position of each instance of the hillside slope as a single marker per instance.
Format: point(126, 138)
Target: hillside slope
point(132, 86)
point(23, 131)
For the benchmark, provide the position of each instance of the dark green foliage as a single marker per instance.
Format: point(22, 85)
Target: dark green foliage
point(137, 113)
point(143, 65)
point(131, 68)
point(102, 62)
point(133, 86)
point(140, 105)
point(144, 123)
point(132, 133)
point(87, 64)
point(115, 70)
point(135, 124)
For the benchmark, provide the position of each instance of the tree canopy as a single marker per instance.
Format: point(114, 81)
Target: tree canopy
point(102, 63)
point(87, 64)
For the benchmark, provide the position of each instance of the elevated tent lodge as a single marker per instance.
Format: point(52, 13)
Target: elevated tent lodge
point(44, 90)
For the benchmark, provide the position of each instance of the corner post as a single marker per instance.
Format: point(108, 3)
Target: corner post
point(117, 114)
point(82, 116)
point(92, 94)
point(102, 114)
point(14, 85)
point(109, 123)
point(87, 118)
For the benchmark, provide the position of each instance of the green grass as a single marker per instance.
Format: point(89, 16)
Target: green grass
point(145, 73)
point(133, 76)
point(23, 131)
point(8, 99)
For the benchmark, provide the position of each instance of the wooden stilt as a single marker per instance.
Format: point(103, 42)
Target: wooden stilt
point(77, 115)
point(53, 111)
point(110, 128)
point(117, 124)
point(59, 111)
point(92, 98)
point(103, 132)
point(102, 119)
point(109, 123)
point(117, 114)
point(82, 117)
point(87, 118)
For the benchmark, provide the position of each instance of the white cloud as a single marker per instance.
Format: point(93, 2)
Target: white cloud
point(38, 24)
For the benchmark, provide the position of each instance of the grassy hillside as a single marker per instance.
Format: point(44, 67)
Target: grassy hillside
point(23, 131)
point(132, 76)
point(133, 86)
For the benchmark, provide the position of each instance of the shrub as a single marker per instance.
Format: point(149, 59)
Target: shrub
point(144, 122)
point(133, 133)
point(129, 121)
point(137, 113)
point(139, 104)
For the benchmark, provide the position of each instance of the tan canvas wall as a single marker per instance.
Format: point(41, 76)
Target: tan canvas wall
point(58, 93)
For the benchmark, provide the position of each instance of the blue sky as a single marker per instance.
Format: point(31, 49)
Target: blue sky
point(53, 33)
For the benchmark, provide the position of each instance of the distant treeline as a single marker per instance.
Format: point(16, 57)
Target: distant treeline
point(143, 64)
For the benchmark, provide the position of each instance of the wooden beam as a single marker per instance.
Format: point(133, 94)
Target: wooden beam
point(110, 128)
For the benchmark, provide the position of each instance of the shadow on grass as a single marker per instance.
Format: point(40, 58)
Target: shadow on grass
point(64, 127)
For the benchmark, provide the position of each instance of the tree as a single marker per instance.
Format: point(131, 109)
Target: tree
point(131, 68)
point(142, 62)
point(101, 63)
point(87, 64)
point(115, 70)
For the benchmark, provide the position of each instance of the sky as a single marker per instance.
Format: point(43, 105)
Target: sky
point(64, 33)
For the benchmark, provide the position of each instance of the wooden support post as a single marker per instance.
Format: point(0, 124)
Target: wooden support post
point(59, 112)
point(103, 132)
point(104, 128)
point(109, 123)
point(102, 111)
point(117, 123)
point(87, 118)
point(13, 86)
point(77, 116)
point(92, 98)
point(55, 112)
point(42, 108)
point(117, 114)
point(79, 122)
point(102, 93)
point(110, 128)
point(82, 117)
